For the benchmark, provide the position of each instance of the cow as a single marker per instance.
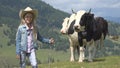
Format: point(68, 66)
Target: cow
point(91, 31)
point(67, 28)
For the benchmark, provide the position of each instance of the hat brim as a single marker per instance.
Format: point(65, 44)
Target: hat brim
point(22, 13)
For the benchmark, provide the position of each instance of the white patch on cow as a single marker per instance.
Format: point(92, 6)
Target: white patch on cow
point(78, 18)
point(66, 23)
point(71, 19)
point(64, 26)
point(82, 54)
point(74, 37)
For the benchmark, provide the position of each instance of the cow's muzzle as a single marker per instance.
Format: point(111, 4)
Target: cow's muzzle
point(62, 32)
point(76, 28)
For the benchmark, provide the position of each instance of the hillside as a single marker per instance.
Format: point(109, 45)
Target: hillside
point(47, 14)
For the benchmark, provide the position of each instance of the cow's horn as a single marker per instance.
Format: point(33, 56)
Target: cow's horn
point(89, 10)
point(73, 11)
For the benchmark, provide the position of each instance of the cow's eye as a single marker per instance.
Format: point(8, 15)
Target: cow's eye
point(81, 23)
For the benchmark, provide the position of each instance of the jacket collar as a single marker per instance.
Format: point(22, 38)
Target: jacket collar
point(25, 26)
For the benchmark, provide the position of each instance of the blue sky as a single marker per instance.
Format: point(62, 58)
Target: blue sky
point(99, 7)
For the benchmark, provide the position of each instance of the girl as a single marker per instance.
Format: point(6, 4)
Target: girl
point(26, 37)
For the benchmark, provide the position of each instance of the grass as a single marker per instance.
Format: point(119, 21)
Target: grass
point(3, 38)
point(8, 56)
point(105, 62)
point(61, 60)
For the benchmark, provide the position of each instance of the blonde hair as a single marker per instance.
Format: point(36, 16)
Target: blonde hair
point(33, 23)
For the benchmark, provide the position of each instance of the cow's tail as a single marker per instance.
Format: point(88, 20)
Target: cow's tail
point(106, 33)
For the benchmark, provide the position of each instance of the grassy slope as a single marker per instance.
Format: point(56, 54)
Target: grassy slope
point(3, 38)
point(7, 58)
point(105, 62)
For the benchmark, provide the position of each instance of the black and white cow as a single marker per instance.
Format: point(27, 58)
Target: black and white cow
point(67, 28)
point(91, 31)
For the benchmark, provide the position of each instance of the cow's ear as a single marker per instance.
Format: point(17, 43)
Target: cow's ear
point(92, 15)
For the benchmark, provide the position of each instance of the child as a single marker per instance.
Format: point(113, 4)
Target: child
point(26, 37)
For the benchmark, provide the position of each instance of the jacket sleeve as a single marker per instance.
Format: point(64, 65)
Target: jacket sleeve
point(42, 39)
point(18, 41)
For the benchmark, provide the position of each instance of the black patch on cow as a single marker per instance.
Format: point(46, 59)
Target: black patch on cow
point(84, 35)
point(71, 30)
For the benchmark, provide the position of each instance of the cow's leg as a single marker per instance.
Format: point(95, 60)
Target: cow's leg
point(82, 54)
point(94, 49)
point(102, 41)
point(78, 49)
point(72, 50)
point(91, 51)
point(72, 53)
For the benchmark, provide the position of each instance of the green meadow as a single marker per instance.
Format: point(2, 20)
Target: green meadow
point(104, 62)
point(44, 56)
point(49, 58)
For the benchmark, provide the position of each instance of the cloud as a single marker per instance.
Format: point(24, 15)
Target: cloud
point(116, 5)
point(67, 5)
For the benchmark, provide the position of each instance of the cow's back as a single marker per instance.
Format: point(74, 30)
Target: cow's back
point(102, 25)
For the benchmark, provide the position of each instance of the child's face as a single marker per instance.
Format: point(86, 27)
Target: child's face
point(28, 18)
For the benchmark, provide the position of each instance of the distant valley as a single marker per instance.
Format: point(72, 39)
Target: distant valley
point(113, 19)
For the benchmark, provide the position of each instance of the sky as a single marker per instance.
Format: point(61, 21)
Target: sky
point(103, 8)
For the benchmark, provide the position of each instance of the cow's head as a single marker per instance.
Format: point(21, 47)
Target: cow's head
point(67, 25)
point(77, 26)
point(64, 26)
point(82, 20)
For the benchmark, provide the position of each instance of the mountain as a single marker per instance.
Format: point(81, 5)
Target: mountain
point(46, 12)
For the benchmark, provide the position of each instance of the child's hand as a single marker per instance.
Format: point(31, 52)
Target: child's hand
point(17, 57)
point(51, 41)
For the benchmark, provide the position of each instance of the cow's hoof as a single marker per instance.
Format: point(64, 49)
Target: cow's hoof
point(71, 60)
point(80, 61)
point(90, 60)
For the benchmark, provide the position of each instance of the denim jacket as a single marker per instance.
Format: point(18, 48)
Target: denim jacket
point(21, 39)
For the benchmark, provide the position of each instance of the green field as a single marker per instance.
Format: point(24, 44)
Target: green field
point(60, 59)
point(105, 62)
point(8, 56)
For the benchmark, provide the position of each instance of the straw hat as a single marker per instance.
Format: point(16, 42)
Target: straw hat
point(26, 10)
